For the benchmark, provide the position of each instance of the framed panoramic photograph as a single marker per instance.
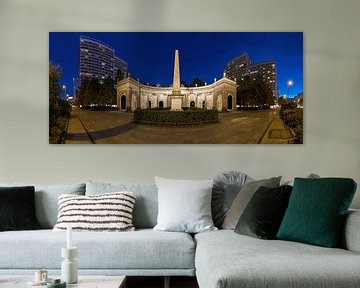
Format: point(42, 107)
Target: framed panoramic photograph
point(176, 88)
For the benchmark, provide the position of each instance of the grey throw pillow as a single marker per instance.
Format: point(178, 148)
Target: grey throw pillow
point(184, 205)
point(242, 199)
point(226, 187)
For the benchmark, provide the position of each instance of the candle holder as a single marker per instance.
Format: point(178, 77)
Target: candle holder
point(69, 265)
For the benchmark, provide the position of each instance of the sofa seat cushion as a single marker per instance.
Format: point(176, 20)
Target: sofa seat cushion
point(142, 249)
point(226, 259)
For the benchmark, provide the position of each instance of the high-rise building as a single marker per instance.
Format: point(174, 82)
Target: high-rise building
point(97, 60)
point(238, 68)
point(241, 66)
point(120, 65)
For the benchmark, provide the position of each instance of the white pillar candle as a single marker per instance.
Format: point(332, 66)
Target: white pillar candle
point(69, 237)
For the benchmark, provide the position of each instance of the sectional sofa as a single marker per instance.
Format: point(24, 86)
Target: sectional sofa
point(218, 259)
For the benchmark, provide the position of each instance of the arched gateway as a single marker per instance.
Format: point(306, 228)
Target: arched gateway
point(123, 102)
point(229, 102)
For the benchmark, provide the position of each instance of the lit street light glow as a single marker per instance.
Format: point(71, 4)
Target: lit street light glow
point(64, 87)
point(289, 84)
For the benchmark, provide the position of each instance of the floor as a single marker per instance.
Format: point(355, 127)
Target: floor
point(158, 282)
point(115, 127)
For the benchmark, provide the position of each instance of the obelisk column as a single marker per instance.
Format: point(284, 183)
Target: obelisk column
point(175, 96)
point(176, 78)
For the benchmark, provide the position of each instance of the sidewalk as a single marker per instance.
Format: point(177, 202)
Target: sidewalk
point(277, 133)
point(76, 133)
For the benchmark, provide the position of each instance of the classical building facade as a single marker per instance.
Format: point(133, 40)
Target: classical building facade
point(220, 95)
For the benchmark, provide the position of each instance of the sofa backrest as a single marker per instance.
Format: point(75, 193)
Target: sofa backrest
point(46, 200)
point(146, 203)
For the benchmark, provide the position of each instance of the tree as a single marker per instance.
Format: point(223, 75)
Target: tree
point(107, 93)
point(244, 92)
point(196, 82)
point(120, 75)
point(54, 96)
point(254, 92)
point(262, 92)
point(59, 110)
point(286, 105)
point(282, 101)
point(91, 92)
point(183, 83)
point(88, 92)
point(54, 77)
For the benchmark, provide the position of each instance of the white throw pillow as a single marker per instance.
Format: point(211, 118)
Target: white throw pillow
point(184, 205)
point(105, 212)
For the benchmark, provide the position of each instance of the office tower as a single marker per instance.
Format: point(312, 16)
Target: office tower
point(241, 66)
point(97, 60)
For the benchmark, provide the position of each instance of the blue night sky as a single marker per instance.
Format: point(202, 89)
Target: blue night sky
point(150, 55)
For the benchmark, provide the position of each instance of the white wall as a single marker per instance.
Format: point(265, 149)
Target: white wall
point(332, 90)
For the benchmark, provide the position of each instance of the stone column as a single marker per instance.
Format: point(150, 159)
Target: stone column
point(176, 78)
point(176, 97)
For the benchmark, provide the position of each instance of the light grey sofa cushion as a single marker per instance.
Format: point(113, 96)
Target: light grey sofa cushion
point(226, 259)
point(146, 204)
point(46, 200)
point(184, 205)
point(351, 231)
point(137, 250)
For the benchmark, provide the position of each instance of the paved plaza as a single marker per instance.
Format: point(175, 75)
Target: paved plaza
point(115, 127)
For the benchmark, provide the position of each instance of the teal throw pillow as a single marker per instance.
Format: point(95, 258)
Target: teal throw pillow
point(316, 211)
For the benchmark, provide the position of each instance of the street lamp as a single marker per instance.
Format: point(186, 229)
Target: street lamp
point(64, 87)
point(289, 84)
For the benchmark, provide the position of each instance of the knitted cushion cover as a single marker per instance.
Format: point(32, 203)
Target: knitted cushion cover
point(105, 212)
point(316, 211)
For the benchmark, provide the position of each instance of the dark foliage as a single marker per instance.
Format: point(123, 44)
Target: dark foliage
point(197, 82)
point(167, 117)
point(92, 92)
point(252, 93)
point(59, 110)
point(293, 118)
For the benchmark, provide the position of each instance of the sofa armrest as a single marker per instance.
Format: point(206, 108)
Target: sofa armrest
point(351, 234)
